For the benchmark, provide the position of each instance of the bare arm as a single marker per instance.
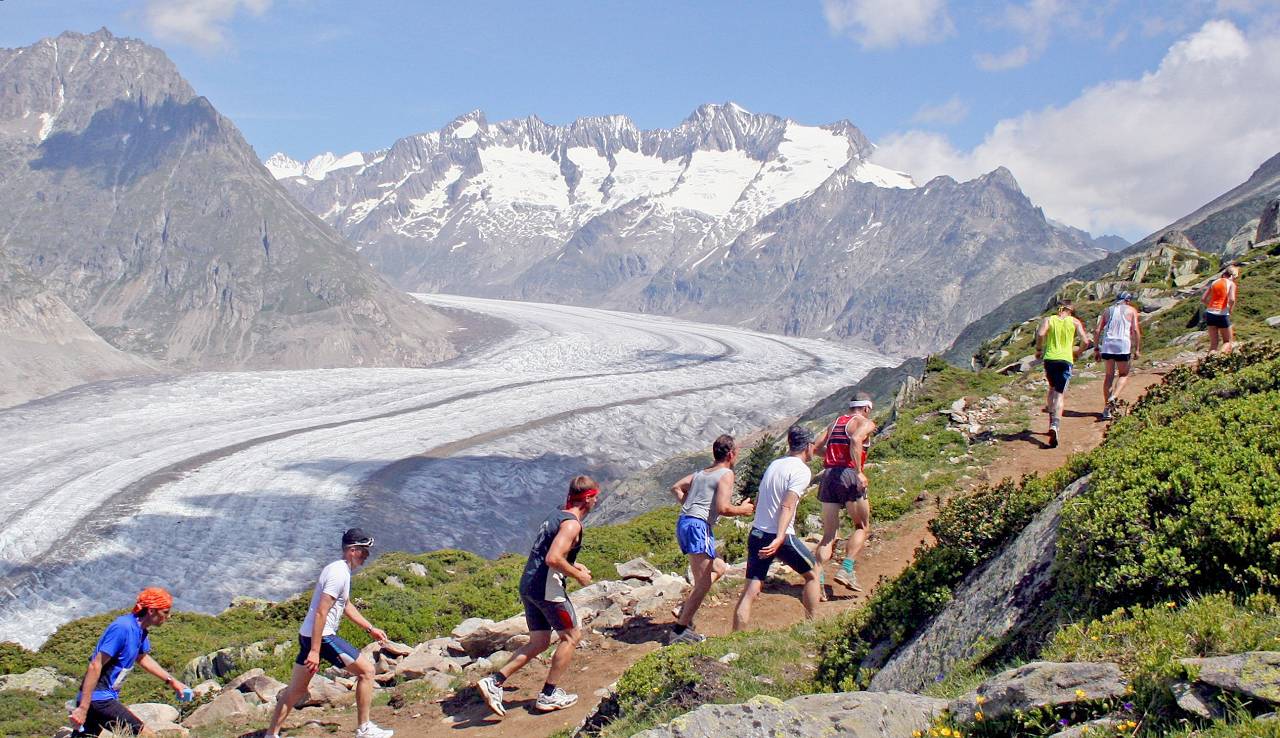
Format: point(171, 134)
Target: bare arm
point(351, 611)
point(1041, 332)
point(681, 488)
point(821, 447)
point(91, 677)
point(1231, 298)
point(560, 546)
point(312, 661)
point(1083, 334)
point(153, 667)
point(724, 493)
point(1135, 333)
point(1102, 326)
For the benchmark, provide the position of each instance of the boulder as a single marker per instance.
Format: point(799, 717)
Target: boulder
point(861, 714)
point(416, 569)
point(991, 603)
point(1243, 239)
point(250, 674)
point(446, 645)
point(250, 603)
point(1255, 674)
point(1154, 304)
point(423, 660)
point(1188, 339)
point(1100, 728)
point(1274, 321)
point(1269, 222)
point(439, 680)
point(499, 659)
point(597, 597)
point(263, 686)
point(1040, 684)
point(323, 691)
point(1197, 699)
point(638, 568)
point(487, 636)
point(613, 617)
point(42, 680)
point(395, 649)
point(154, 713)
point(392, 580)
point(206, 687)
point(1182, 280)
point(228, 704)
point(168, 730)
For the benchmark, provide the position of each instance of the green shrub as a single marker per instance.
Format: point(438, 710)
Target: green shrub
point(750, 471)
point(14, 659)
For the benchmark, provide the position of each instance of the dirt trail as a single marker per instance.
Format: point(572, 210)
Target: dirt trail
point(603, 659)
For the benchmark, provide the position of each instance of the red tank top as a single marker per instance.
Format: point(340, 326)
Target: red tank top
point(1219, 291)
point(837, 454)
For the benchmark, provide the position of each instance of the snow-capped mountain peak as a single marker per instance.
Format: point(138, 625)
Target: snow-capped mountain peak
point(317, 168)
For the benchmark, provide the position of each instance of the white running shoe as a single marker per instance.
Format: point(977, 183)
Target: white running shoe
point(557, 700)
point(370, 730)
point(688, 636)
point(492, 693)
point(848, 579)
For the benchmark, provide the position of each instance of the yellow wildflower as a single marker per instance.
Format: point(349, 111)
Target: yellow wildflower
point(1080, 694)
point(981, 700)
point(978, 715)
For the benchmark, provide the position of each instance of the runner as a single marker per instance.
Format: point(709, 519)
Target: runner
point(124, 644)
point(318, 638)
point(1219, 300)
point(1117, 341)
point(546, 604)
point(773, 534)
point(704, 496)
point(1056, 344)
point(844, 486)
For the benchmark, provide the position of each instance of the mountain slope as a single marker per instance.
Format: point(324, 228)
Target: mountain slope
point(1208, 229)
point(730, 216)
point(46, 347)
point(147, 212)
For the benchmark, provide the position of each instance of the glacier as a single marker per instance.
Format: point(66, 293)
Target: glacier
point(224, 484)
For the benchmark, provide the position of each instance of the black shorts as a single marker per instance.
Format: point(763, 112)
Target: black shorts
point(1217, 321)
point(792, 552)
point(841, 485)
point(548, 615)
point(111, 715)
point(1115, 357)
point(1058, 373)
point(332, 649)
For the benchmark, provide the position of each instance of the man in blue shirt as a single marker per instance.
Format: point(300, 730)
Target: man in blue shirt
point(124, 644)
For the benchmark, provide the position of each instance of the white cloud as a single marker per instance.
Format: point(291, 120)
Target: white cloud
point(1132, 155)
point(198, 23)
point(1035, 23)
point(948, 113)
point(884, 24)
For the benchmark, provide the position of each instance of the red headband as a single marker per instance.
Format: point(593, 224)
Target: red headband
point(583, 496)
point(153, 598)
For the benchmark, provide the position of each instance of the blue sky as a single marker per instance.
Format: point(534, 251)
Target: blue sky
point(931, 76)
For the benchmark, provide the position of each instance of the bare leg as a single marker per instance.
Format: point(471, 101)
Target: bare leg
point(860, 513)
point(362, 669)
point(538, 642)
point(742, 615)
point(1122, 379)
point(703, 577)
point(1228, 336)
point(1108, 381)
point(826, 547)
point(569, 640)
point(1213, 339)
point(287, 697)
point(809, 595)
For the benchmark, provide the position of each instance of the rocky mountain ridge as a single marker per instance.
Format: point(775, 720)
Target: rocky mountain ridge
point(134, 201)
point(730, 216)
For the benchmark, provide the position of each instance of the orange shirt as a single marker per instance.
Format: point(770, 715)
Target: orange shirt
point(1219, 291)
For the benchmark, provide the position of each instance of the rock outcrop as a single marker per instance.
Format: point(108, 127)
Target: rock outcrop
point(991, 603)
point(42, 680)
point(856, 714)
point(1039, 684)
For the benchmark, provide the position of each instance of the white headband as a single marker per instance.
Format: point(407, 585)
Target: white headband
point(859, 403)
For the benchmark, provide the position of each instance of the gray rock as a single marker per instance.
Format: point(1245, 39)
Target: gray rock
point(1255, 674)
point(324, 691)
point(480, 637)
point(154, 713)
point(228, 704)
point(1040, 684)
point(1188, 339)
point(612, 617)
point(1243, 239)
point(392, 580)
point(991, 602)
point(499, 659)
point(598, 596)
point(250, 603)
point(423, 660)
point(206, 687)
point(638, 568)
point(392, 648)
point(1269, 222)
point(859, 714)
point(416, 569)
point(1274, 321)
point(238, 681)
point(42, 680)
point(1155, 304)
point(1098, 728)
point(265, 687)
point(1197, 699)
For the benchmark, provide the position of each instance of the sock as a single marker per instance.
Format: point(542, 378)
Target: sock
point(548, 689)
point(848, 566)
point(678, 628)
point(498, 678)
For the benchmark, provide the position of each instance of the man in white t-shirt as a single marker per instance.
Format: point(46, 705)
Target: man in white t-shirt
point(773, 535)
point(318, 638)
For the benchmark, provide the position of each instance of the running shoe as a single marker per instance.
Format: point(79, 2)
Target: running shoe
point(848, 579)
point(1106, 412)
point(370, 730)
point(492, 693)
point(557, 700)
point(1053, 436)
point(688, 636)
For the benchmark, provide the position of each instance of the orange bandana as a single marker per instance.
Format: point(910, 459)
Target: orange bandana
point(153, 598)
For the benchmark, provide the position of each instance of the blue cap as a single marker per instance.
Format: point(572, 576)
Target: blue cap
point(1124, 297)
point(798, 437)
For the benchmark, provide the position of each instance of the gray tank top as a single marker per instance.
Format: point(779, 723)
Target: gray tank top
point(700, 502)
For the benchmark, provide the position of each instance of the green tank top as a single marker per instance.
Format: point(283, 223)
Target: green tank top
point(1060, 341)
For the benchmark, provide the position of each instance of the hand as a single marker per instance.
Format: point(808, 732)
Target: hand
point(768, 551)
point(79, 715)
point(748, 508)
point(377, 634)
point(183, 691)
point(1136, 353)
point(312, 662)
point(1039, 355)
point(862, 479)
point(583, 575)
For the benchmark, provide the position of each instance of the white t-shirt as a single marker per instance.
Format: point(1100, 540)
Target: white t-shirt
point(335, 581)
point(784, 476)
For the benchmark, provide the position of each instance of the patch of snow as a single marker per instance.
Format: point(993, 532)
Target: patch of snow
point(457, 246)
point(320, 166)
point(282, 166)
point(637, 175)
point(883, 176)
point(713, 181)
point(467, 129)
point(594, 169)
point(513, 175)
point(438, 196)
point(360, 210)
